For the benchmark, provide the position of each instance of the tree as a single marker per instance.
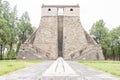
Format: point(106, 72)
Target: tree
point(13, 31)
point(115, 42)
point(3, 35)
point(3, 31)
point(10, 15)
point(0, 7)
point(24, 29)
point(13, 27)
point(100, 32)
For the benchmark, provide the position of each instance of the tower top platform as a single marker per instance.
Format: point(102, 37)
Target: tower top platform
point(60, 6)
point(65, 10)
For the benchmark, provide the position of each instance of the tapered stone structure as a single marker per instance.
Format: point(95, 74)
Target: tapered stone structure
point(60, 34)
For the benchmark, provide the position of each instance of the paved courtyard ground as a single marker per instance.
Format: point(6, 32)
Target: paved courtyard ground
point(35, 71)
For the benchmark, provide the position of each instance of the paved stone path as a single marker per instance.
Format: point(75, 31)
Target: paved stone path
point(34, 72)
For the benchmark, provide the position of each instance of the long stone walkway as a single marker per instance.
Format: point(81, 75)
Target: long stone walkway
point(34, 72)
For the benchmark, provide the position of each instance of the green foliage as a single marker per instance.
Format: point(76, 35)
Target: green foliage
point(108, 39)
point(24, 27)
point(13, 30)
point(99, 31)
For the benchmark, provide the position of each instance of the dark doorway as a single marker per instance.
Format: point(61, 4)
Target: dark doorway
point(60, 36)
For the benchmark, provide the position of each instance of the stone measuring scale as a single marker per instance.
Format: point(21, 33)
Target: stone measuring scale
point(60, 70)
point(60, 34)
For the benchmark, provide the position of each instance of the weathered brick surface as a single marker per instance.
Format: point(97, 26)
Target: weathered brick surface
point(44, 45)
point(77, 43)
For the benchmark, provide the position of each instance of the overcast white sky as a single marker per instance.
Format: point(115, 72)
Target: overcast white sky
point(90, 10)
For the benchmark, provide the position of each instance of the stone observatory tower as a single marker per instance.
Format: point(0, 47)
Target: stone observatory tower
point(60, 34)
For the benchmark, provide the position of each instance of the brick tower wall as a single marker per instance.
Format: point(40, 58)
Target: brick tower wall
point(60, 35)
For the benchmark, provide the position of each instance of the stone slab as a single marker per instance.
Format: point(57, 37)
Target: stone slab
point(60, 70)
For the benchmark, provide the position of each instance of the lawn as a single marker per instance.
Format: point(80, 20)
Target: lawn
point(112, 67)
point(7, 66)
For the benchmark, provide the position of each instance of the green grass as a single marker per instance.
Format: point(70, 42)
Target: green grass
point(112, 67)
point(7, 66)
